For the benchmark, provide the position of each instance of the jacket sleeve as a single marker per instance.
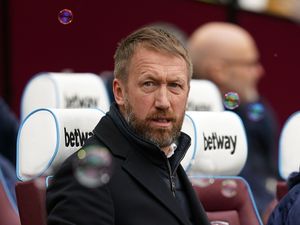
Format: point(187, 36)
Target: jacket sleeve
point(294, 203)
point(68, 202)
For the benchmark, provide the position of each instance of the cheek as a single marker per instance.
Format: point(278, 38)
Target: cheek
point(179, 104)
point(236, 80)
point(142, 106)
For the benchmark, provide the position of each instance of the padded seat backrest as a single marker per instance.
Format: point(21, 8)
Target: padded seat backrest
point(48, 136)
point(204, 96)
point(217, 154)
point(64, 90)
point(219, 144)
point(289, 144)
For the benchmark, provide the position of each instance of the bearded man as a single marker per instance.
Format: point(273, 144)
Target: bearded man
point(142, 132)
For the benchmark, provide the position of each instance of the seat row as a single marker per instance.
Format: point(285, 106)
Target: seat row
point(56, 123)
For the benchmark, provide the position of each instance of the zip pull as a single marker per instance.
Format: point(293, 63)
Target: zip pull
point(173, 185)
point(171, 178)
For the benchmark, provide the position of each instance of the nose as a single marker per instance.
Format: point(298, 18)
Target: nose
point(260, 71)
point(162, 98)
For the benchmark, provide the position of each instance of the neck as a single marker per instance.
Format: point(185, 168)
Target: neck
point(166, 150)
point(169, 150)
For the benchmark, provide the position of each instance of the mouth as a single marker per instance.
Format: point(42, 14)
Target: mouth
point(162, 122)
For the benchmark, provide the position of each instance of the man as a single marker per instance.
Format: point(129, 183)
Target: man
point(8, 132)
point(288, 209)
point(142, 132)
point(9, 126)
point(227, 55)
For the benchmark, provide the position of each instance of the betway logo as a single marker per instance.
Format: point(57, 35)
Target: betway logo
point(83, 102)
point(76, 137)
point(191, 106)
point(217, 142)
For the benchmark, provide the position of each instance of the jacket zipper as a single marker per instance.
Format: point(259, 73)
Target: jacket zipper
point(171, 179)
point(172, 175)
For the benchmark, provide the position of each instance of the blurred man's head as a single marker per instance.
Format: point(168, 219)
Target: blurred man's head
point(226, 54)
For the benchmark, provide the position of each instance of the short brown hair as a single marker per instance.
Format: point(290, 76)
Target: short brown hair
point(153, 38)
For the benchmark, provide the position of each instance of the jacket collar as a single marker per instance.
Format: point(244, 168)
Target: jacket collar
point(150, 150)
point(293, 179)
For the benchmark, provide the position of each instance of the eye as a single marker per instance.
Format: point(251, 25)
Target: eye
point(175, 85)
point(148, 84)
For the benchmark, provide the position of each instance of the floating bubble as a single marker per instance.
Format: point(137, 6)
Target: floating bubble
point(229, 188)
point(40, 183)
point(65, 16)
point(231, 100)
point(218, 222)
point(255, 111)
point(202, 181)
point(93, 166)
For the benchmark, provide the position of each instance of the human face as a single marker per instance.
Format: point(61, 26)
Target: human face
point(243, 73)
point(154, 98)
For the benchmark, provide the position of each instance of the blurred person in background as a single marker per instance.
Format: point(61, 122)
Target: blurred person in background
point(9, 126)
point(227, 55)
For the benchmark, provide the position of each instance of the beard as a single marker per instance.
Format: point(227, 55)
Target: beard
point(161, 137)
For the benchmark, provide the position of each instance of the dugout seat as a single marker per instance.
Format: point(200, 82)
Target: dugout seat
point(46, 138)
point(217, 155)
point(204, 96)
point(64, 90)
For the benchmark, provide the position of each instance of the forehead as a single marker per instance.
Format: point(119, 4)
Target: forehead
point(144, 58)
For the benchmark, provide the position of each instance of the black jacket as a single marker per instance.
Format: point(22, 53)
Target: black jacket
point(139, 191)
point(288, 209)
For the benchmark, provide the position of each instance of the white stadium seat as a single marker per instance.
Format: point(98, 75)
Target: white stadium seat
point(204, 96)
point(219, 143)
point(289, 145)
point(64, 90)
point(48, 136)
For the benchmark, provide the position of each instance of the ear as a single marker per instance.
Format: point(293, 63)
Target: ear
point(119, 90)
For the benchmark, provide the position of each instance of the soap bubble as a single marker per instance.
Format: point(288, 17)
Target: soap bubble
point(229, 188)
point(219, 222)
point(40, 183)
point(65, 16)
point(255, 111)
point(202, 181)
point(93, 166)
point(231, 100)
